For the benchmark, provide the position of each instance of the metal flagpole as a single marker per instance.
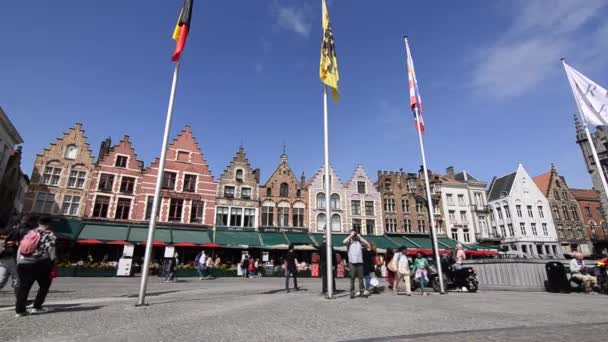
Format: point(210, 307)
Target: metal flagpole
point(430, 204)
point(596, 159)
point(329, 253)
point(159, 182)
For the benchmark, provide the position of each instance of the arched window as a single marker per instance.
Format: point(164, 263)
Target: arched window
point(320, 200)
point(268, 192)
point(335, 223)
point(71, 152)
point(321, 221)
point(284, 191)
point(239, 175)
point(388, 185)
point(298, 193)
point(335, 201)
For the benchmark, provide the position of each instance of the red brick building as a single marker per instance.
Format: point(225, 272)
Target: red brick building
point(188, 192)
point(114, 183)
point(595, 225)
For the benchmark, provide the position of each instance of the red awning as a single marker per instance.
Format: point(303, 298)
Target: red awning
point(118, 242)
point(89, 242)
point(185, 244)
point(155, 243)
point(210, 245)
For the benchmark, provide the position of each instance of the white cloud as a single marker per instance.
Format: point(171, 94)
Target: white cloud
point(293, 16)
point(541, 32)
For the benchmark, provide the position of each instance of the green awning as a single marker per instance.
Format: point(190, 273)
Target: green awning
point(421, 242)
point(273, 239)
point(138, 234)
point(403, 241)
point(195, 236)
point(336, 239)
point(228, 238)
point(381, 242)
point(103, 232)
point(300, 239)
point(66, 229)
point(447, 243)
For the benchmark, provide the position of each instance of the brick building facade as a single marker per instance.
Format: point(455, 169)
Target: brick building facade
point(594, 222)
point(115, 180)
point(284, 199)
point(60, 177)
point(565, 212)
point(404, 203)
point(188, 190)
point(237, 198)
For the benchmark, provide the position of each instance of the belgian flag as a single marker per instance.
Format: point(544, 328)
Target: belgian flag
point(180, 33)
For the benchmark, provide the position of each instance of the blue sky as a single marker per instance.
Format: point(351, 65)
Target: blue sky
point(490, 78)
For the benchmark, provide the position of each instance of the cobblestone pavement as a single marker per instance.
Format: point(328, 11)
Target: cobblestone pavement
point(102, 309)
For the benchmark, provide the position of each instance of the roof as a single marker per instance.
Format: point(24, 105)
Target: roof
point(500, 185)
point(460, 176)
point(10, 128)
point(542, 182)
point(585, 194)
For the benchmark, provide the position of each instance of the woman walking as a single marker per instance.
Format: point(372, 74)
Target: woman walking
point(421, 266)
point(390, 279)
point(402, 273)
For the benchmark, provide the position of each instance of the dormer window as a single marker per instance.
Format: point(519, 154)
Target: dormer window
point(239, 175)
point(71, 152)
point(121, 161)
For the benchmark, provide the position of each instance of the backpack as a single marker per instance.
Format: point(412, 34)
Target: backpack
point(29, 243)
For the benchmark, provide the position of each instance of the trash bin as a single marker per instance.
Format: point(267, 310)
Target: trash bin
point(556, 277)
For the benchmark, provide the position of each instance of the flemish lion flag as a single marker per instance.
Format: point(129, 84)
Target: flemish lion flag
point(180, 33)
point(328, 69)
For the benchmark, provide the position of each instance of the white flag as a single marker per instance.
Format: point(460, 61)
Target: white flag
point(592, 98)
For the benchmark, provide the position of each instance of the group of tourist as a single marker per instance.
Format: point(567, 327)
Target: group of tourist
point(28, 256)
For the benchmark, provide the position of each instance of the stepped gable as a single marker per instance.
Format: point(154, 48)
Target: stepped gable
point(124, 147)
point(239, 159)
point(319, 174)
point(74, 135)
point(185, 141)
point(282, 169)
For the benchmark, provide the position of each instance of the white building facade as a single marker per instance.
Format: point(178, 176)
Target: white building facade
point(521, 215)
point(337, 202)
point(364, 209)
point(9, 137)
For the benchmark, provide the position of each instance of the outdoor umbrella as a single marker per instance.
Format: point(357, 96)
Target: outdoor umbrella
point(90, 242)
point(155, 243)
point(210, 245)
point(118, 242)
point(185, 244)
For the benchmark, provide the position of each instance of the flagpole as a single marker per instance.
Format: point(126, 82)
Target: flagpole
point(430, 204)
point(329, 250)
point(596, 159)
point(157, 199)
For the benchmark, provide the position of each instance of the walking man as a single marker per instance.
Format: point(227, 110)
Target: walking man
point(202, 265)
point(355, 244)
point(291, 269)
point(35, 258)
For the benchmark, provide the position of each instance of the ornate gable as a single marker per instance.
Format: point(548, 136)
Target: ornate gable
point(239, 161)
point(124, 148)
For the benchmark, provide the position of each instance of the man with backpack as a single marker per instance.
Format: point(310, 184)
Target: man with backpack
point(201, 265)
point(35, 258)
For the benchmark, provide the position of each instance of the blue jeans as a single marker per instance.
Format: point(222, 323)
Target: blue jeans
point(202, 272)
point(368, 278)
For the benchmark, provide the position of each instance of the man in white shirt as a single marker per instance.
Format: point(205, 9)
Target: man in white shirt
point(579, 272)
point(355, 243)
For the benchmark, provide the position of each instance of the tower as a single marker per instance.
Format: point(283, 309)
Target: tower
point(600, 139)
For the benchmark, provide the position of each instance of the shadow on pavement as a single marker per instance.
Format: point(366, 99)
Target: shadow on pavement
point(71, 308)
point(151, 294)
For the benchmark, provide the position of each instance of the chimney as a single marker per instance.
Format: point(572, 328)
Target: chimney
point(104, 149)
point(256, 175)
point(449, 172)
